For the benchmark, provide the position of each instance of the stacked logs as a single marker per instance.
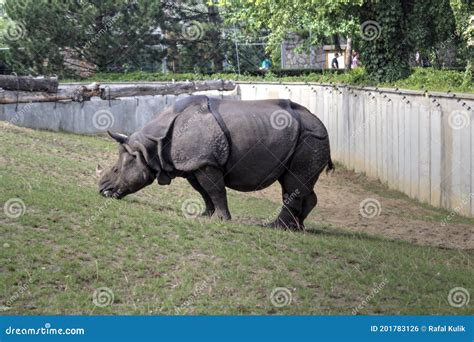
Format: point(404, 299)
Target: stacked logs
point(27, 89)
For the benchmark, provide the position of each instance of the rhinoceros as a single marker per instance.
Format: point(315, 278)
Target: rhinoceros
point(214, 144)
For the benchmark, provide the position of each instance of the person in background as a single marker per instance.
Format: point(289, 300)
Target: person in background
point(266, 64)
point(334, 62)
point(417, 59)
point(355, 60)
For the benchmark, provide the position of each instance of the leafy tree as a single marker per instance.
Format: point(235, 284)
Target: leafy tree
point(193, 36)
point(314, 21)
point(432, 31)
point(386, 55)
point(463, 11)
point(115, 35)
point(464, 20)
point(100, 32)
point(394, 27)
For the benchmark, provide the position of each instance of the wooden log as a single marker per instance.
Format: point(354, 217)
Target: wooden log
point(79, 94)
point(84, 93)
point(175, 88)
point(29, 83)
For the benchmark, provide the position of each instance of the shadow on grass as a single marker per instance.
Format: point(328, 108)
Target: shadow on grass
point(338, 232)
point(322, 230)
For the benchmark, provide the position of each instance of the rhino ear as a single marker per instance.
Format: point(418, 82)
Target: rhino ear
point(150, 154)
point(120, 138)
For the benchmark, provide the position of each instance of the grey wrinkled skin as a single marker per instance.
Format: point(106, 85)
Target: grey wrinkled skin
point(186, 141)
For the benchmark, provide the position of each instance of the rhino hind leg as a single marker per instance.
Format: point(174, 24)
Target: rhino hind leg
point(309, 202)
point(211, 180)
point(287, 219)
point(210, 208)
point(298, 182)
point(293, 214)
point(292, 204)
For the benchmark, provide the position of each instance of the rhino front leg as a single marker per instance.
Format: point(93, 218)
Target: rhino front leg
point(212, 181)
point(205, 196)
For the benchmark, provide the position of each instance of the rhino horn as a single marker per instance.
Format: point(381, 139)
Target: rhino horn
point(120, 138)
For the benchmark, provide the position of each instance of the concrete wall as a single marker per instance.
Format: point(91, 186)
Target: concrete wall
point(418, 143)
point(125, 115)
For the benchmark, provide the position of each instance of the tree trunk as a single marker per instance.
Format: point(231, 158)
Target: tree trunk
point(79, 94)
point(84, 93)
point(348, 58)
point(175, 88)
point(29, 83)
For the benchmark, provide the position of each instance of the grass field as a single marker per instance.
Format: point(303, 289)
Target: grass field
point(72, 250)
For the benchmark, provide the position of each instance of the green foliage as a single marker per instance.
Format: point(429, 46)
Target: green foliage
point(430, 22)
point(463, 11)
point(112, 35)
point(467, 77)
point(420, 79)
point(405, 27)
point(102, 33)
point(323, 18)
point(122, 37)
point(385, 56)
point(436, 80)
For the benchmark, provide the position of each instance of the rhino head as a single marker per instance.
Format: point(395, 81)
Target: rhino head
point(133, 170)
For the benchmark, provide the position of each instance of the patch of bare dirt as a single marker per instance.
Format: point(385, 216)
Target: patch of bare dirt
point(341, 193)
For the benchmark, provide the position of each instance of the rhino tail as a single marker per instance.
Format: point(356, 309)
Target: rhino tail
point(330, 166)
